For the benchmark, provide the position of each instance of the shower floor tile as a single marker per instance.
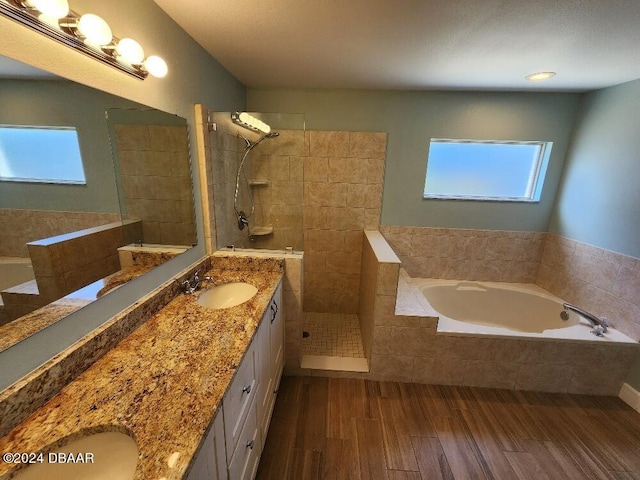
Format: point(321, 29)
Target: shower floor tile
point(332, 334)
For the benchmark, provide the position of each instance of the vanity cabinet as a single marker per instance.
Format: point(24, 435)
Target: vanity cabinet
point(234, 444)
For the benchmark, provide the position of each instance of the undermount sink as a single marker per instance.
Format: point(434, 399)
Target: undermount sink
point(100, 456)
point(227, 295)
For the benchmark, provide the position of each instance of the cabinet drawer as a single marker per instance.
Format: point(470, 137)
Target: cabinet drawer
point(244, 463)
point(238, 399)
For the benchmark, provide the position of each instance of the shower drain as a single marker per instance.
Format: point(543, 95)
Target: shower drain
point(305, 334)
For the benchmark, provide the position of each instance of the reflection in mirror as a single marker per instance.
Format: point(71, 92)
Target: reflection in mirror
point(60, 240)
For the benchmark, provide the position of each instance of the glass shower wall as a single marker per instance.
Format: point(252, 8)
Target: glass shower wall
point(269, 188)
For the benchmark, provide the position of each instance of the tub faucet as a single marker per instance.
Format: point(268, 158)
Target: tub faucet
point(600, 324)
point(191, 286)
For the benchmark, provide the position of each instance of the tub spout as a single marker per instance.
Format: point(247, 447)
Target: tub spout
point(600, 324)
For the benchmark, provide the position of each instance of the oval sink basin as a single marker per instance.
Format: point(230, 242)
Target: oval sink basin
point(101, 456)
point(227, 295)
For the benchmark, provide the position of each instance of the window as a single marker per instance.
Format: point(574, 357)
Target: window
point(486, 170)
point(40, 154)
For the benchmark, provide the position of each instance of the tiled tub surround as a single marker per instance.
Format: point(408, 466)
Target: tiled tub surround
point(172, 371)
point(600, 281)
point(467, 254)
point(406, 346)
point(603, 282)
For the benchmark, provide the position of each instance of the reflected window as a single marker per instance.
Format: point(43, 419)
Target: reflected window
point(40, 154)
point(486, 170)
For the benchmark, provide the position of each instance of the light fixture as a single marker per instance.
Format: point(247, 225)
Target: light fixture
point(49, 8)
point(88, 33)
point(250, 122)
point(156, 66)
point(130, 51)
point(540, 76)
point(94, 29)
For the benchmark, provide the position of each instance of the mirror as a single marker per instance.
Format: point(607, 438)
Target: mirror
point(137, 189)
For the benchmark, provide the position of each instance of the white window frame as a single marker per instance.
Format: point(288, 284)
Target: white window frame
point(536, 176)
point(57, 181)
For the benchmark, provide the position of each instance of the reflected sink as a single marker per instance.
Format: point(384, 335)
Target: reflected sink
point(106, 456)
point(227, 295)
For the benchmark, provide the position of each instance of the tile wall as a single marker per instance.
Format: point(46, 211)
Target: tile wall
point(343, 179)
point(467, 254)
point(156, 181)
point(21, 226)
point(600, 281)
point(405, 347)
point(324, 188)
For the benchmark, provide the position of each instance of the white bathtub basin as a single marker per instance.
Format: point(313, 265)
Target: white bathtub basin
point(100, 456)
point(227, 295)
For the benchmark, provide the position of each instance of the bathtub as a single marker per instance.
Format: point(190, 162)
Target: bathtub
point(506, 310)
point(14, 271)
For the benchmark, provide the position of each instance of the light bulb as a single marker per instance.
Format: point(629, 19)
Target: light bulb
point(50, 8)
point(156, 66)
point(95, 29)
point(130, 51)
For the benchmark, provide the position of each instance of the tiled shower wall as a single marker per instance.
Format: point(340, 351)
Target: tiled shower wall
point(156, 181)
point(324, 188)
point(22, 226)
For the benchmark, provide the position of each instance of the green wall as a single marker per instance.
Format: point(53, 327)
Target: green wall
point(412, 118)
point(599, 200)
point(64, 103)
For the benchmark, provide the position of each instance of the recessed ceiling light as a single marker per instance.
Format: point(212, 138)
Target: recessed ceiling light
point(539, 76)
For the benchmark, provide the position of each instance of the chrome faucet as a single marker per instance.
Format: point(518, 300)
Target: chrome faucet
point(191, 286)
point(600, 324)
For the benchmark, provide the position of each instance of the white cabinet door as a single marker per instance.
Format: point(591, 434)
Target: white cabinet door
point(210, 463)
point(276, 316)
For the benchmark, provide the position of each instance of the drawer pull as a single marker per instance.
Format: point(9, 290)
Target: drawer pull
point(251, 444)
point(246, 389)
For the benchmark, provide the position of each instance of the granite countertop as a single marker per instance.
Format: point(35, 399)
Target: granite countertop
point(163, 384)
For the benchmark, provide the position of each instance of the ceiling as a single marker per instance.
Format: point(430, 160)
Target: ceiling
point(418, 44)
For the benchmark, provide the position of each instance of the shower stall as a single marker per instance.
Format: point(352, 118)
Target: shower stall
point(257, 175)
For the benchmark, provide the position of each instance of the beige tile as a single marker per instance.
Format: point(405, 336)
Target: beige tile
point(347, 170)
point(343, 262)
point(367, 196)
point(353, 240)
point(375, 170)
point(545, 378)
point(482, 373)
point(390, 368)
point(367, 144)
point(290, 142)
point(326, 194)
point(279, 167)
point(296, 169)
point(371, 218)
point(627, 285)
point(344, 218)
point(132, 137)
point(388, 279)
point(324, 240)
point(413, 341)
point(438, 371)
point(328, 143)
point(316, 169)
point(286, 193)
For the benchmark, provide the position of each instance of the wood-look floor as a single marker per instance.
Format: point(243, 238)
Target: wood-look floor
point(325, 428)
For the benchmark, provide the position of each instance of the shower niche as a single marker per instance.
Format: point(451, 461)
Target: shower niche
point(257, 178)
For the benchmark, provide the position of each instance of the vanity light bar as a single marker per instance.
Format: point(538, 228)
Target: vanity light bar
point(88, 34)
point(250, 122)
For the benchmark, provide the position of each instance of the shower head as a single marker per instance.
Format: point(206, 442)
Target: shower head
point(272, 135)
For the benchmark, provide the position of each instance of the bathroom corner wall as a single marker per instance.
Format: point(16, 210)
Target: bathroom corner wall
point(205, 165)
point(343, 179)
point(603, 282)
point(467, 254)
